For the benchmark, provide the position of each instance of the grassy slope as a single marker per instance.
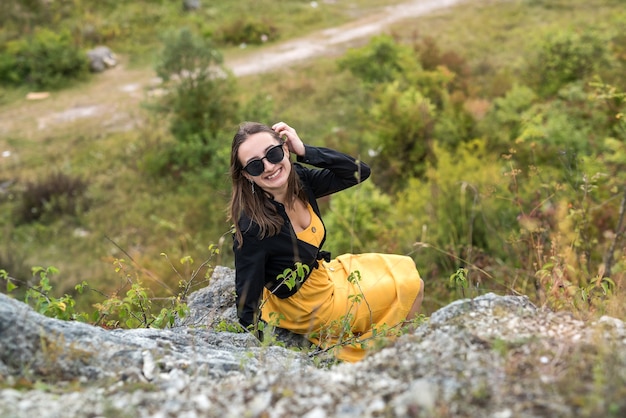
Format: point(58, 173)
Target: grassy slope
point(146, 217)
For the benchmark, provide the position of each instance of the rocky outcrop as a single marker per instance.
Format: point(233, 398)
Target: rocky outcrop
point(490, 356)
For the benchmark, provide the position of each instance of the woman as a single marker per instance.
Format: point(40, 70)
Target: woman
point(278, 227)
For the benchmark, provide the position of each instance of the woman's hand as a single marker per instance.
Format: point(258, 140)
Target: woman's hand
point(293, 141)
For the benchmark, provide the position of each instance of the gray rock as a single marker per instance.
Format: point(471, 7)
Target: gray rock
point(214, 306)
point(490, 356)
point(100, 59)
point(191, 5)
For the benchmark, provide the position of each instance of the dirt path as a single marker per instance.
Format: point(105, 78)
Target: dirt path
point(115, 94)
point(338, 38)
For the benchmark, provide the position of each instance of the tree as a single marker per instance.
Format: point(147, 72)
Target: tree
point(200, 100)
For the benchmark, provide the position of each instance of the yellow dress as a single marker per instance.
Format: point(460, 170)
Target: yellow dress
point(345, 300)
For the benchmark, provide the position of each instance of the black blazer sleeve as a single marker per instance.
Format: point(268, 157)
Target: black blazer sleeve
point(338, 171)
point(250, 262)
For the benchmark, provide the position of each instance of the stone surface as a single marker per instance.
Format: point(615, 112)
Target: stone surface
point(490, 356)
point(101, 58)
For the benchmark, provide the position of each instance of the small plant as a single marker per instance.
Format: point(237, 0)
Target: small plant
point(40, 298)
point(293, 277)
point(131, 311)
point(560, 291)
point(137, 309)
point(225, 326)
point(290, 278)
point(266, 330)
point(601, 288)
point(4, 275)
point(186, 285)
point(459, 280)
point(131, 306)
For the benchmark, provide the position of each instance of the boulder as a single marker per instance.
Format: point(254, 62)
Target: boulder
point(489, 356)
point(100, 59)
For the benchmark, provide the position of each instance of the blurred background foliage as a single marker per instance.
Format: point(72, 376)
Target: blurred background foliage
point(495, 131)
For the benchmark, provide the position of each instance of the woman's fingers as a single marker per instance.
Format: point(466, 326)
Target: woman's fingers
point(282, 128)
point(294, 143)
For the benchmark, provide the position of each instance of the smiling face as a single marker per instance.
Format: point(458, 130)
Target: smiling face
point(274, 176)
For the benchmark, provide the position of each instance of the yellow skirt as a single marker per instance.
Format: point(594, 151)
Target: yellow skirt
point(344, 301)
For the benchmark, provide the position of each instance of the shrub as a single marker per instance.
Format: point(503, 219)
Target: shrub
point(457, 208)
point(563, 130)
point(431, 58)
point(381, 61)
point(564, 57)
point(200, 101)
point(503, 122)
point(23, 15)
point(248, 31)
point(42, 60)
point(361, 220)
point(57, 194)
point(413, 106)
point(402, 125)
point(455, 124)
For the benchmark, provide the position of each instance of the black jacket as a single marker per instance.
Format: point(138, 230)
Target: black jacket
point(259, 261)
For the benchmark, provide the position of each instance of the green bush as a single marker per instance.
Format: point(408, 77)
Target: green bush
point(402, 131)
point(44, 60)
point(200, 101)
point(563, 130)
point(431, 58)
point(567, 56)
point(360, 220)
point(381, 61)
point(194, 155)
point(460, 207)
point(455, 124)
point(502, 124)
point(414, 104)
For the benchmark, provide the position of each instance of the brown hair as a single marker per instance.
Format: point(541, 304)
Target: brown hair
point(257, 205)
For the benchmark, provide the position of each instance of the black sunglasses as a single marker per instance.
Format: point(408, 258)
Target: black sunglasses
point(274, 155)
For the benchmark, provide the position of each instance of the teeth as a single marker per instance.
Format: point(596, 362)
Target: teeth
point(272, 176)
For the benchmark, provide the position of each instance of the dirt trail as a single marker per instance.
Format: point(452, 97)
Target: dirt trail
point(115, 94)
point(323, 42)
